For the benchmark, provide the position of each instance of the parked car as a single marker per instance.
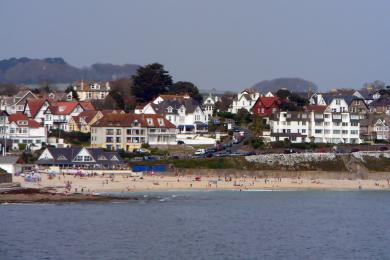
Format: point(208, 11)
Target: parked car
point(383, 148)
point(180, 142)
point(200, 152)
point(289, 151)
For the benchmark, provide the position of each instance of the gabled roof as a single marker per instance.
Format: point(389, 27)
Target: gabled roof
point(268, 101)
point(35, 105)
point(67, 156)
point(22, 120)
point(190, 105)
point(87, 116)
point(63, 107)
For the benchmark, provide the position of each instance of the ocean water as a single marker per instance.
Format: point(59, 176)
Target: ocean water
point(204, 225)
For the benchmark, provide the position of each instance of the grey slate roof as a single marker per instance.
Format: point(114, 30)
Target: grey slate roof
point(67, 155)
point(162, 108)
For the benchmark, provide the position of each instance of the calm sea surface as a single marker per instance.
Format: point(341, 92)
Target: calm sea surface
point(204, 225)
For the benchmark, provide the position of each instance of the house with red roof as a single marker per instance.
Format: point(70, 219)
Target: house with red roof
point(58, 114)
point(23, 130)
point(266, 106)
point(35, 108)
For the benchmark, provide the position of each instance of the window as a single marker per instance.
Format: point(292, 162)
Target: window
point(114, 158)
point(102, 158)
point(354, 132)
point(318, 131)
point(78, 158)
point(303, 131)
point(344, 132)
point(353, 123)
point(118, 140)
point(109, 139)
point(338, 101)
point(87, 158)
point(109, 131)
point(344, 124)
point(327, 131)
point(336, 132)
point(118, 131)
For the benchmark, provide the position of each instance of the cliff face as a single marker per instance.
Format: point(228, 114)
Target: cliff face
point(56, 70)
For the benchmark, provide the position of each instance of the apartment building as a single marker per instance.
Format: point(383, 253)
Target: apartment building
point(130, 131)
point(318, 124)
point(92, 91)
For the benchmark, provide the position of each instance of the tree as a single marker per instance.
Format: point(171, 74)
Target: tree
point(243, 117)
point(74, 92)
point(121, 92)
point(151, 81)
point(226, 101)
point(283, 94)
point(184, 87)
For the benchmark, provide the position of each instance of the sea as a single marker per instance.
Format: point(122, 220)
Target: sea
point(203, 225)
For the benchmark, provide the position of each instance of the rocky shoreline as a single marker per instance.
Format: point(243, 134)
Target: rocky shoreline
point(35, 195)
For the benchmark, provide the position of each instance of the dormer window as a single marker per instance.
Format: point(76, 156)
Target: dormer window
point(61, 158)
point(22, 122)
point(102, 158)
point(135, 123)
point(114, 158)
point(169, 109)
point(150, 121)
point(161, 122)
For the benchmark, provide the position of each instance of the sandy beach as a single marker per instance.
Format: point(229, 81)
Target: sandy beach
point(123, 183)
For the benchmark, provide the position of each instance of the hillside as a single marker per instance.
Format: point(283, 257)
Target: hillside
point(56, 70)
point(292, 84)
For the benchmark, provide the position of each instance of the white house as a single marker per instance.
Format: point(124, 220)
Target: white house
point(244, 100)
point(186, 114)
point(209, 105)
point(19, 129)
point(58, 114)
point(317, 123)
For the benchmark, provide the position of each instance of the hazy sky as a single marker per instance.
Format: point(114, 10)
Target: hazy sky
point(222, 44)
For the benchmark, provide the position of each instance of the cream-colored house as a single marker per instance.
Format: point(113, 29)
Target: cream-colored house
point(130, 131)
point(83, 122)
point(92, 91)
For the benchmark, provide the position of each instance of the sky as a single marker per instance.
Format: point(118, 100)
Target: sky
point(221, 44)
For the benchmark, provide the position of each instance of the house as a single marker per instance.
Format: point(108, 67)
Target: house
point(16, 103)
point(380, 106)
point(375, 127)
point(266, 106)
point(78, 157)
point(381, 130)
point(83, 121)
point(35, 108)
point(58, 114)
point(186, 114)
point(23, 130)
point(209, 105)
point(130, 131)
point(291, 125)
point(91, 91)
point(246, 99)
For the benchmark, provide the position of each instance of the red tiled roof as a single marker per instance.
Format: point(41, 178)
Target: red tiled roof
point(268, 101)
point(87, 105)
point(18, 118)
point(35, 105)
point(63, 108)
point(87, 115)
point(126, 120)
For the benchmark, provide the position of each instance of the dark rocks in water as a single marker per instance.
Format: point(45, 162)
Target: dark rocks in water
point(33, 195)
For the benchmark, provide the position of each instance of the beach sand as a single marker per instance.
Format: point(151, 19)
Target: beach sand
point(123, 183)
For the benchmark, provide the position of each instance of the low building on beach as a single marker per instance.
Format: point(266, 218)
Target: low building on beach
point(80, 158)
